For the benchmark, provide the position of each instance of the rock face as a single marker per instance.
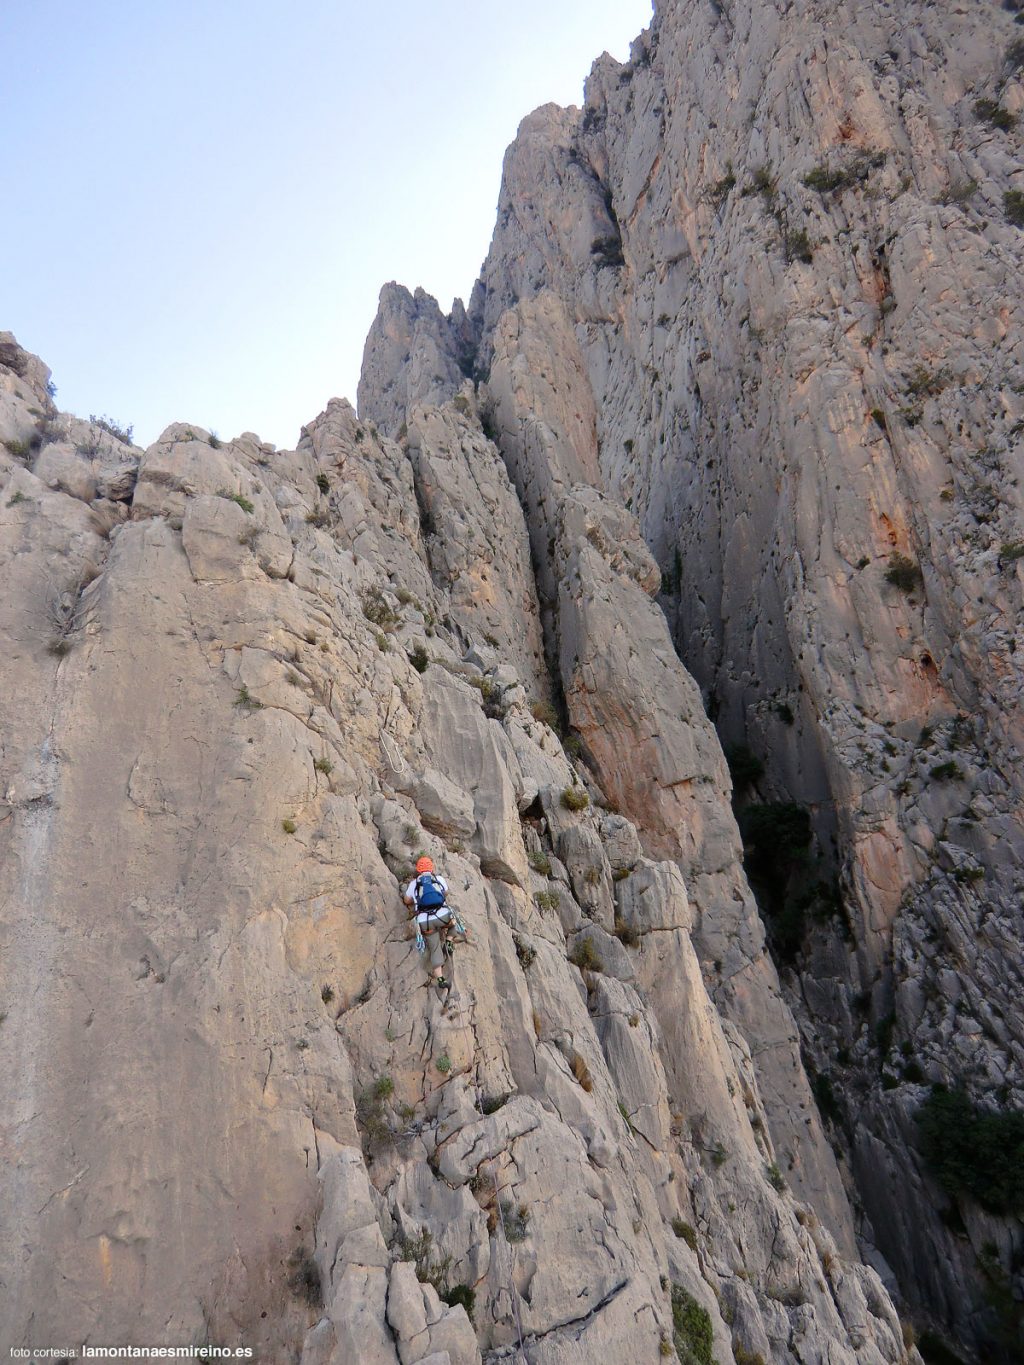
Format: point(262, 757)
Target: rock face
point(243, 689)
point(749, 327)
point(757, 307)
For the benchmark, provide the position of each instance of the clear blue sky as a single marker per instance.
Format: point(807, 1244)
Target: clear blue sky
point(203, 197)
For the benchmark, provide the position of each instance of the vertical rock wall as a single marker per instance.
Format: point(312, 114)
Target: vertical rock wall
point(245, 688)
point(763, 292)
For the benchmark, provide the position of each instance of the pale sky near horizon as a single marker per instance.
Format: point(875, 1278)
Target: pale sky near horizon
point(203, 199)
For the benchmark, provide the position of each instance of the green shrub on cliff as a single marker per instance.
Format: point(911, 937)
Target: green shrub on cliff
point(776, 843)
point(972, 1151)
point(692, 1333)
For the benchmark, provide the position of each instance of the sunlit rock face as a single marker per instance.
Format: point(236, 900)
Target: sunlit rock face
point(749, 329)
point(244, 690)
point(762, 292)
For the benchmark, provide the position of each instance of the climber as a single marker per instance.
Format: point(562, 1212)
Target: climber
point(428, 893)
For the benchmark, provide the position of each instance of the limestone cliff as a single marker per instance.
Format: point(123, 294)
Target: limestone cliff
point(763, 292)
point(243, 689)
point(748, 329)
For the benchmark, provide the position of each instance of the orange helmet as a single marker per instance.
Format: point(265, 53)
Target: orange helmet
point(424, 865)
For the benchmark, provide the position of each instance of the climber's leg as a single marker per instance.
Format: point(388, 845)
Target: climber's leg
point(435, 948)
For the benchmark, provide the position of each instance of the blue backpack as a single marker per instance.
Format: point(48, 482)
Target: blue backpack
point(430, 894)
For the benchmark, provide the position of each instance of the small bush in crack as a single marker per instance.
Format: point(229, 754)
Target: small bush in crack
point(376, 609)
point(626, 933)
point(925, 383)
point(960, 193)
point(289, 826)
point(545, 713)
point(420, 659)
point(798, 246)
point(692, 1333)
point(1013, 207)
point(582, 1072)
point(444, 1064)
point(372, 1116)
point(112, 428)
point(516, 1221)
point(825, 1096)
point(827, 181)
point(547, 900)
point(460, 1293)
point(323, 483)
point(575, 799)
point(903, 573)
point(239, 499)
point(775, 1177)
point(717, 195)
point(65, 614)
point(524, 953)
point(762, 182)
point(586, 957)
point(993, 113)
point(947, 772)
point(684, 1231)
point(540, 862)
point(429, 1269)
point(487, 687)
point(304, 1281)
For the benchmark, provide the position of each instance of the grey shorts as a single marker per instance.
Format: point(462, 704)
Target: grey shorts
point(430, 923)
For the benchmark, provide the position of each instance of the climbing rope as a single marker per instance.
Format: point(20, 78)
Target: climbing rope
point(392, 753)
point(497, 1192)
point(511, 1268)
